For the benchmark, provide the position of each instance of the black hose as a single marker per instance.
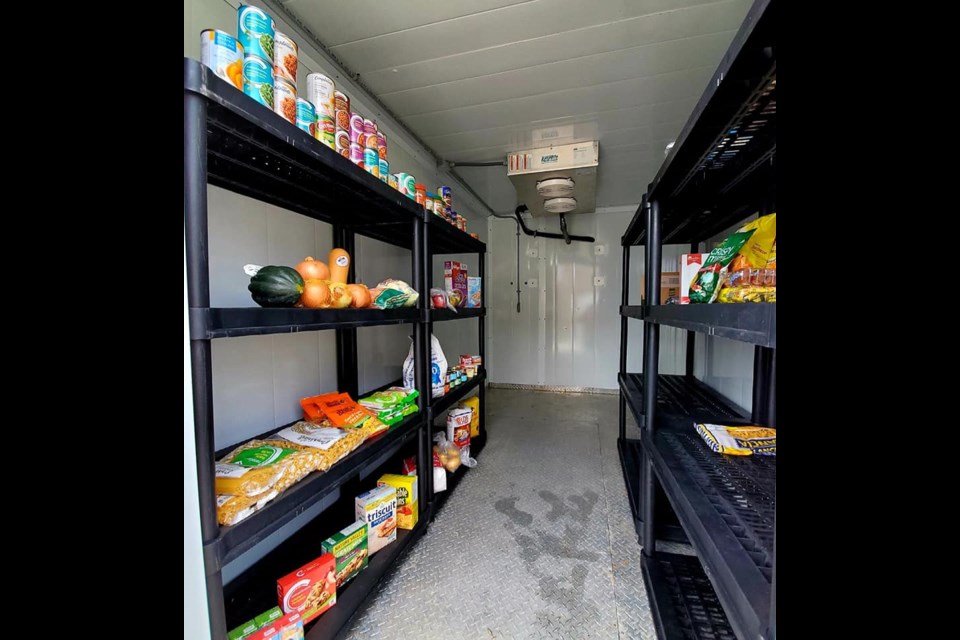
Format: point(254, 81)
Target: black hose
point(566, 237)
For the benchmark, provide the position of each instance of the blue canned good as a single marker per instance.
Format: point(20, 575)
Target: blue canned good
point(255, 31)
point(384, 170)
point(371, 161)
point(307, 117)
point(258, 80)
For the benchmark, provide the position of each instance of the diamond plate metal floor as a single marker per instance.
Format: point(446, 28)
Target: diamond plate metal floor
point(537, 541)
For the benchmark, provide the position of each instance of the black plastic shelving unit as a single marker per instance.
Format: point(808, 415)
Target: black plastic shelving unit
point(233, 142)
point(721, 170)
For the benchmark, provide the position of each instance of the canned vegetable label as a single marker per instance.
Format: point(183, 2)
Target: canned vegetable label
point(258, 80)
point(384, 170)
point(409, 186)
point(285, 100)
point(392, 181)
point(371, 162)
point(256, 31)
point(224, 54)
point(328, 131)
point(306, 117)
point(285, 56)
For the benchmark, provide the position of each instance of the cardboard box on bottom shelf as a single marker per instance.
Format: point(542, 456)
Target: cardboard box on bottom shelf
point(349, 549)
point(311, 589)
point(289, 627)
point(669, 287)
point(408, 498)
point(378, 508)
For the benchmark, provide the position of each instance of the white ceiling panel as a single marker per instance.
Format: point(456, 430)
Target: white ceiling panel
point(586, 71)
point(594, 39)
point(490, 29)
point(476, 79)
point(337, 23)
point(614, 95)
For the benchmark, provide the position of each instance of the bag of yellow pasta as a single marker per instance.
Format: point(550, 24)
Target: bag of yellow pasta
point(739, 440)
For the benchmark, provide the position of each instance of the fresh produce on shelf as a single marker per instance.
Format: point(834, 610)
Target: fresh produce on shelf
point(739, 440)
point(316, 294)
point(276, 286)
point(454, 298)
point(393, 294)
point(359, 296)
point(339, 295)
point(312, 269)
point(339, 265)
point(439, 299)
point(448, 452)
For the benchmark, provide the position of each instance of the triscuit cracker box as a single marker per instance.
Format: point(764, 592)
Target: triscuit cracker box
point(349, 547)
point(408, 498)
point(378, 508)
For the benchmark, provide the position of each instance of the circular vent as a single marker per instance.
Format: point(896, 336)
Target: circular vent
point(555, 187)
point(559, 205)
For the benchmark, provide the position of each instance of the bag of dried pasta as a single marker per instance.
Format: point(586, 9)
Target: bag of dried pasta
point(739, 440)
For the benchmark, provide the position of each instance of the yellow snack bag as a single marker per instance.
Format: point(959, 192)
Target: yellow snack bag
point(758, 248)
point(739, 441)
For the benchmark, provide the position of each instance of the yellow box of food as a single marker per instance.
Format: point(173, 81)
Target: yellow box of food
point(408, 502)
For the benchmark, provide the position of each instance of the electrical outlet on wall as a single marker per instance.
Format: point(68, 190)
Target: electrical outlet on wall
point(599, 281)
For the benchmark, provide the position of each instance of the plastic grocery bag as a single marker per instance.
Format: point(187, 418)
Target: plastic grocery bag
point(438, 367)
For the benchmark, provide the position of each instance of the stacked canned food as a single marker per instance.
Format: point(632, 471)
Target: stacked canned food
point(263, 63)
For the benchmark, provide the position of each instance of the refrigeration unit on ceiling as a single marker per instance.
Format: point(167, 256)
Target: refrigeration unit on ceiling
point(560, 179)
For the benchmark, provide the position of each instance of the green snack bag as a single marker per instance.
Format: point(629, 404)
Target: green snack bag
point(706, 285)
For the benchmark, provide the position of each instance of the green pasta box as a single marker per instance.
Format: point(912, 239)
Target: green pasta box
point(349, 548)
point(243, 630)
point(268, 617)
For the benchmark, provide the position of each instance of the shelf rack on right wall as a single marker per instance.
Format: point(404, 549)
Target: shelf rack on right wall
point(721, 170)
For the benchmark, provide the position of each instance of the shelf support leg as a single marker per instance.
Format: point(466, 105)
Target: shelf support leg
point(198, 297)
point(624, 301)
point(421, 375)
point(651, 357)
point(348, 375)
point(482, 390)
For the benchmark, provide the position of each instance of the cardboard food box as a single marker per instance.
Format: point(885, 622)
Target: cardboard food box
point(408, 498)
point(311, 589)
point(288, 627)
point(242, 631)
point(349, 549)
point(455, 279)
point(690, 264)
point(378, 509)
point(669, 287)
point(268, 617)
point(474, 293)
